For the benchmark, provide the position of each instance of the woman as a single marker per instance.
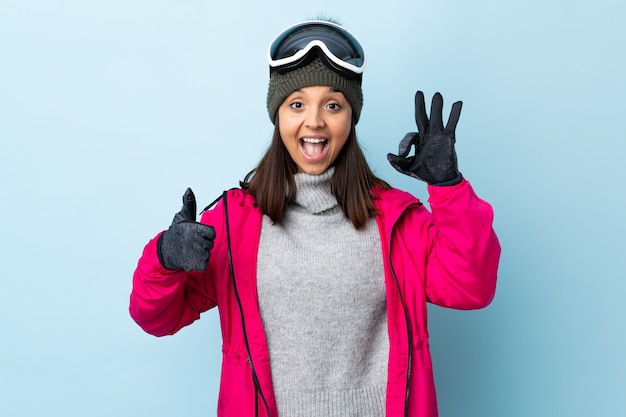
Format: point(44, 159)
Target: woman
point(321, 271)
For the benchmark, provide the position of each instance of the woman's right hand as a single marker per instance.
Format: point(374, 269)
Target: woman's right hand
point(186, 244)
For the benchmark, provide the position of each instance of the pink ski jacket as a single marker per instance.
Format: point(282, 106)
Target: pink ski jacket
point(449, 258)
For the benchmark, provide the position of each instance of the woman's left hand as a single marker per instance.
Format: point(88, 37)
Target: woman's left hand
point(435, 159)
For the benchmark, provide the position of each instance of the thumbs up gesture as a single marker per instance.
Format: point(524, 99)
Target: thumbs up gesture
point(186, 244)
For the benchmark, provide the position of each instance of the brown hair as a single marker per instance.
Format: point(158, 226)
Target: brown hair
point(274, 189)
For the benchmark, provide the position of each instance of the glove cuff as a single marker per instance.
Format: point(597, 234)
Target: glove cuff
point(448, 183)
point(160, 253)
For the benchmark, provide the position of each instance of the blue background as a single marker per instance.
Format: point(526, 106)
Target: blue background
point(110, 109)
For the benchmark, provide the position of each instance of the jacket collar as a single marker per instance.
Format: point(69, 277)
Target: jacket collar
point(392, 203)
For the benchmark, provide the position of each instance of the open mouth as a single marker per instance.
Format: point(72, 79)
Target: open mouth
point(313, 148)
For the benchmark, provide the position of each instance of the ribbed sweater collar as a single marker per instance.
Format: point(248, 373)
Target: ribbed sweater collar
point(313, 191)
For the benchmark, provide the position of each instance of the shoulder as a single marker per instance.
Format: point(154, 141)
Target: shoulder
point(393, 197)
point(236, 202)
point(392, 204)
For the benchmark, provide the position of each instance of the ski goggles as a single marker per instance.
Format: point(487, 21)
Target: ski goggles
point(299, 44)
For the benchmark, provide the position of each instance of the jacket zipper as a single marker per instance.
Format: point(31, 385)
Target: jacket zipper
point(406, 317)
point(257, 385)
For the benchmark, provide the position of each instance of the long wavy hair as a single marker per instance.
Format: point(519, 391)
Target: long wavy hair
point(273, 186)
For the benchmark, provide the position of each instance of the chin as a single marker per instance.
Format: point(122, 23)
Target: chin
point(313, 170)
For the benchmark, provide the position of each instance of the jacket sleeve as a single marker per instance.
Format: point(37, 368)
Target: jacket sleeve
point(163, 301)
point(463, 252)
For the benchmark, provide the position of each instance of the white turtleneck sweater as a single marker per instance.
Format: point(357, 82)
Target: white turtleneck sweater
point(322, 300)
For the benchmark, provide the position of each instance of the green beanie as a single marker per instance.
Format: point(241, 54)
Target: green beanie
point(315, 73)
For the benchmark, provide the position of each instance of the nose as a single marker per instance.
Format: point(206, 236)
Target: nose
point(314, 118)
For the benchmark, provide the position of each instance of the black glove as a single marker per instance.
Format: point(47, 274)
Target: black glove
point(186, 244)
point(435, 158)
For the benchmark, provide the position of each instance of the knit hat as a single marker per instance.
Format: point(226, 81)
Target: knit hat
point(315, 73)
